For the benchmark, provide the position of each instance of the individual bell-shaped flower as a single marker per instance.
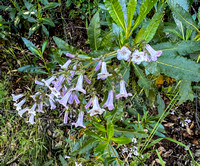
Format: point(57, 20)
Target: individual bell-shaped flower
point(96, 108)
point(123, 92)
point(58, 82)
point(21, 112)
point(79, 85)
point(48, 81)
point(87, 79)
point(138, 57)
point(65, 98)
point(109, 102)
point(80, 120)
point(104, 73)
point(40, 107)
point(39, 83)
point(16, 97)
point(89, 103)
point(31, 119)
point(32, 110)
point(124, 53)
point(70, 55)
point(20, 104)
point(154, 54)
point(98, 66)
point(65, 66)
point(66, 117)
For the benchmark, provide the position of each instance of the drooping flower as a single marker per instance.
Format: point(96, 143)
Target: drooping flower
point(76, 164)
point(70, 55)
point(96, 108)
point(38, 82)
point(31, 119)
point(138, 57)
point(65, 98)
point(104, 73)
point(49, 81)
point(79, 85)
point(98, 66)
point(80, 120)
point(51, 101)
point(58, 82)
point(123, 92)
point(77, 101)
point(21, 112)
point(40, 106)
point(20, 104)
point(16, 97)
point(124, 53)
point(154, 54)
point(66, 117)
point(109, 102)
point(89, 103)
point(87, 80)
point(65, 66)
point(35, 95)
point(32, 110)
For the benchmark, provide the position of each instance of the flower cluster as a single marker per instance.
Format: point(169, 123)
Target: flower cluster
point(138, 56)
point(66, 87)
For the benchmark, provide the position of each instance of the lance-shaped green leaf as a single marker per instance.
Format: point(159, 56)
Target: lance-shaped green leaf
point(161, 105)
point(115, 10)
point(101, 147)
point(151, 29)
point(182, 48)
point(143, 82)
point(130, 12)
point(182, 15)
point(144, 10)
point(32, 69)
point(130, 133)
point(60, 43)
point(107, 40)
point(110, 130)
point(94, 32)
point(121, 140)
point(179, 68)
point(185, 91)
point(31, 47)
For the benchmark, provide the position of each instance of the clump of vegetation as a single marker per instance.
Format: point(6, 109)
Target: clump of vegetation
point(107, 103)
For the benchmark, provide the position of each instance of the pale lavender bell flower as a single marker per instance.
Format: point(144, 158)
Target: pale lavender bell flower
point(39, 83)
point(53, 106)
point(154, 54)
point(77, 101)
point(70, 55)
point(49, 81)
point(98, 66)
point(96, 108)
point(87, 79)
point(58, 82)
point(104, 73)
point(21, 112)
point(32, 110)
point(124, 53)
point(138, 57)
point(79, 85)
point(89, 103)
point(66, 65)
point(66, 117)
point(20, 104)
point(123, 92)
point(40, 107)
point(109, 102)
point(65, 98)
point(16, 97)
point(31, 119)
point(80, 120)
